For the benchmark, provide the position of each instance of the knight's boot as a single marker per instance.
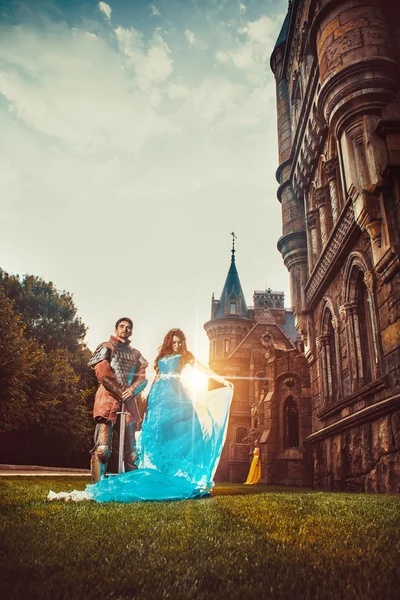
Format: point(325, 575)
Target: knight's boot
point(102, 450)
point(130, 454)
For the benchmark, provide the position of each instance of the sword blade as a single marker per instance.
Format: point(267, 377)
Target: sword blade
point(122, 423)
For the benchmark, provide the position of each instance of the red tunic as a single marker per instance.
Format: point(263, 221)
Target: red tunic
point(105, 405)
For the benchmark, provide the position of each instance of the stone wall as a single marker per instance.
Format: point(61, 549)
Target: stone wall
point(337, 73)
point(362, 459)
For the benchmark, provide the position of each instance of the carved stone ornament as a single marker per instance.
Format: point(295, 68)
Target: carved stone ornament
point(369, 281)
point(267, 339)
point(312, 219)
point(335, 323)
point(374, 229)
point(289, 382)
point(330, 168)
point(321, 195)
point(344, 313)
point(321, 341)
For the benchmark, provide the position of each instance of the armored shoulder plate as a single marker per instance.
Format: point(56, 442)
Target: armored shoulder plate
point(101, 353)
point(143, 364)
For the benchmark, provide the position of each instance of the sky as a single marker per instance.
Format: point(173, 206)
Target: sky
point(135, 136)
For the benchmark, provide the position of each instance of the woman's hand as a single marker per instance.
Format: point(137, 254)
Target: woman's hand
point(228, 384)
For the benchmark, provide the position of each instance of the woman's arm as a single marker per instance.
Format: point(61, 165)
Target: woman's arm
point(210, 373)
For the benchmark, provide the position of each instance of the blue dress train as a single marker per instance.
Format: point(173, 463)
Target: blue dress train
point(179, 446)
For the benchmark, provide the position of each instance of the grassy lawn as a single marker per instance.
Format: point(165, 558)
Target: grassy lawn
point(244, 542)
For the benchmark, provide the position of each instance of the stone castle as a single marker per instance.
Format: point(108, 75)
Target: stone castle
point(337, 70)
point(258, 349)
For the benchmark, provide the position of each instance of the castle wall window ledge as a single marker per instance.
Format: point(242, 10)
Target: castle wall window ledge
point(291, 454)
point(335, 249)
point(369, 413)
point(365, 392)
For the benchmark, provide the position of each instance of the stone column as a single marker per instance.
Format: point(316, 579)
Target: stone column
point(312, 238)
point(336, 329)
point(349, 311)
point(321, 199)
point(252, 382)
point(369, 280)
point(330, 168)
point(326, 370)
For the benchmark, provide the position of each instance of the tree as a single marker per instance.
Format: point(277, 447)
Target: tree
point(50, 316)
point(46, 388)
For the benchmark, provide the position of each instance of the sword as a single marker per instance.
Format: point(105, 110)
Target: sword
point(122, 423)
point(116, 390)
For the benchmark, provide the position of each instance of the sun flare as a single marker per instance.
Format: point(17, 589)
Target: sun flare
point(194, 380)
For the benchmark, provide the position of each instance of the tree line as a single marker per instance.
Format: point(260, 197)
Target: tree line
point(46, 387)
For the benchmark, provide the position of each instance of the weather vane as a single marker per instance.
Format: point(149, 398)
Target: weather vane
point(234, 237)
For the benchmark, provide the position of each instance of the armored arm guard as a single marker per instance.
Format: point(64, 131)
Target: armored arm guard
point(138, 381)
point(113, 387)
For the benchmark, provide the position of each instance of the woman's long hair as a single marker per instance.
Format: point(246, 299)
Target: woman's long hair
point(167, 349)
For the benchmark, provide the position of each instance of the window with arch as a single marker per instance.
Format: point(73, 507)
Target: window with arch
point(359, 313)
point(290, 423)
point(240, 434)
point(226, 347)
point(328, 356)
point(365, 329)
point(232, 306)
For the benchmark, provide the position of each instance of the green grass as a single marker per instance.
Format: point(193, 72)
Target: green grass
point(244, 542)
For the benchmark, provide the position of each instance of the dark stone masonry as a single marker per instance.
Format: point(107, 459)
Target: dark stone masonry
point(337, 70)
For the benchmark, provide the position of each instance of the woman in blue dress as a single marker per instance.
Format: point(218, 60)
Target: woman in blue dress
point(182, 436)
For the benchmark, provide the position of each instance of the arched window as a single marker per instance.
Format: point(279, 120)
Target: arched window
point(366, 331)
point(360, 318)
point(232, 306)
point(290, 424)
point(328, 356)
point(332, 359)
point(240, 434)
point(226, 347)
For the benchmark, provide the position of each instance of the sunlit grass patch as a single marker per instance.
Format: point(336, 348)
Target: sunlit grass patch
point(244, 542)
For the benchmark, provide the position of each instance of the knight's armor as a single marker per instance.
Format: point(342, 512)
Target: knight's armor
point(118, 367)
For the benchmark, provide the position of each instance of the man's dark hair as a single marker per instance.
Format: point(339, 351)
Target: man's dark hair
point(124, 319)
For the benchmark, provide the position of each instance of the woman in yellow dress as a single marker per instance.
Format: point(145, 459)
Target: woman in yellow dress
point(255, 467)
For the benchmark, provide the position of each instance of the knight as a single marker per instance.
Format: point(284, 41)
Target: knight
point(121, 373)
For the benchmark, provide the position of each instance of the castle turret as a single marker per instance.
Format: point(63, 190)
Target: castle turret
point(230, 318)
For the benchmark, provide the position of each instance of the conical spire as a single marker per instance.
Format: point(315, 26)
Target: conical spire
point(232, 302)
point(282, 37)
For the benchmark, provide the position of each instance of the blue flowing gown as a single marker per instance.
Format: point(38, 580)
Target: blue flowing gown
point(179, 446)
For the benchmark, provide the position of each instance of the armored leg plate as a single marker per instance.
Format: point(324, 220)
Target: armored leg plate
point(102, 450)
point(130, 454)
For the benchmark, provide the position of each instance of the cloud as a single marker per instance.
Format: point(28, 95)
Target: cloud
point(242, 8)
point(226, 105)
point(222, 57)
point(261, 30)
point(105, 8)
point(72, 88)
point(154, 10)
point(194, 40)
point(251, 51)
point(243, 57)
point(152, 65)
point(96, 131)
point(177, 90)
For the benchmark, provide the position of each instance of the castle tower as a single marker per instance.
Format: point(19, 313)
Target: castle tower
point(230, 319)
point(256, 348)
